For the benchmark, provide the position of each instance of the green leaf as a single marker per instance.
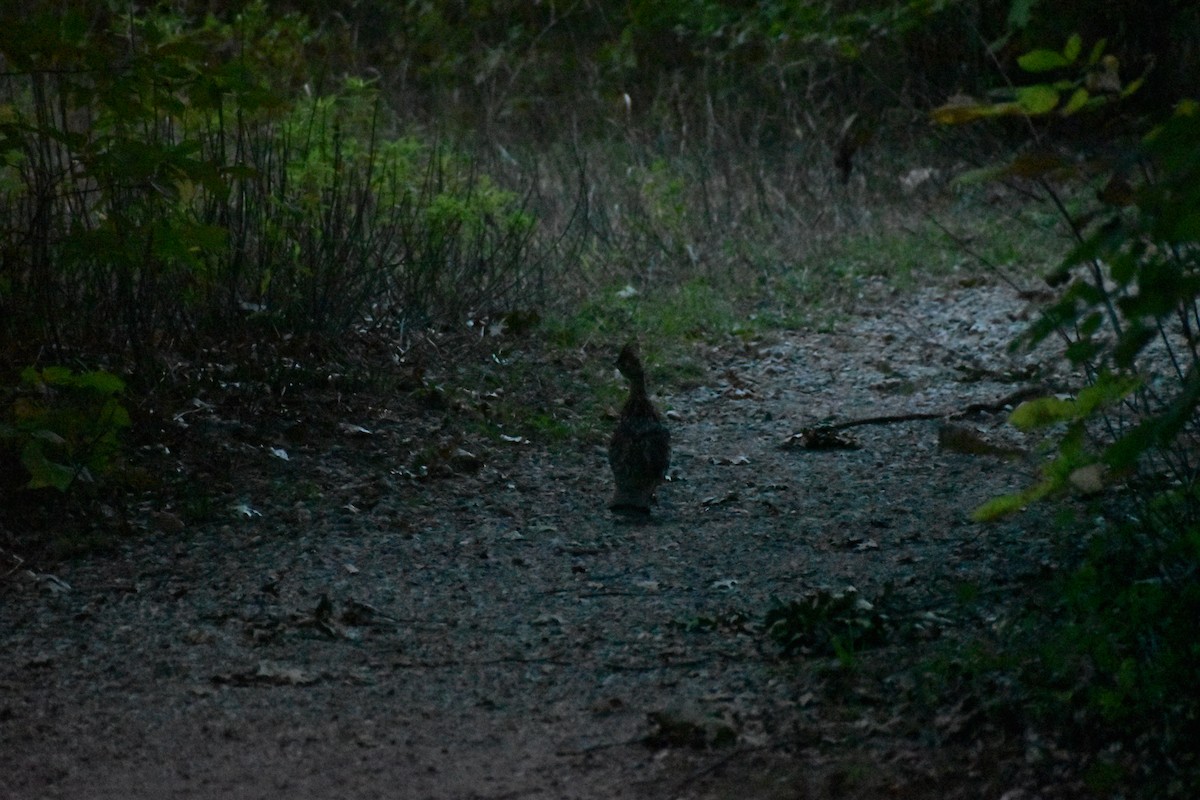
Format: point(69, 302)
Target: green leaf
point(1037, 100)
point(1132, 341)
point(1097, 52)
point(1132, 86)
point(57, 376)
point(1073, 47)
point(1091, 323)
point(44, 473)
point(1008, 504)
point(102, 382)
point(1042, 412)
point(957, 113)
point(1106, 390)
point(1042, 61)
point(999, 507)
point(1062, 314)
point(1082, 351)
point(1157, 431)
point(1020, 12)
point(114, 415)
point(1077, 100)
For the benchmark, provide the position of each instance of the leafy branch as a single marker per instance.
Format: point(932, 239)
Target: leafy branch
point(1128, 302)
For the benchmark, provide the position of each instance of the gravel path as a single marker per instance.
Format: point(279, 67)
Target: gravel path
point(497, 634)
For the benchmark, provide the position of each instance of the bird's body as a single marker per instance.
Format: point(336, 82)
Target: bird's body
point(640, 449)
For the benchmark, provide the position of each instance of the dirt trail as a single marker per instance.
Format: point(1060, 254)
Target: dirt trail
point(500, 635)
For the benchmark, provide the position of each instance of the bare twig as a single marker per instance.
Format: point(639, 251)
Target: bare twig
point(889, 419)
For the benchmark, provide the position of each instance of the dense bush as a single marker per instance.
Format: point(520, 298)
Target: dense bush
point(168, 185)
point(161, 180)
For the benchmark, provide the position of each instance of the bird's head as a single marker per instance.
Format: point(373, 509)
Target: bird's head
point(629, 361)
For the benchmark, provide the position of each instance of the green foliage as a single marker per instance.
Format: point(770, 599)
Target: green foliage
point(1095, 82)
point(692, 310)
point(826, 623)
point(1116, 657)
point(163, 179)
point(65, 425)
point(1127, 309)
point(1073, 416)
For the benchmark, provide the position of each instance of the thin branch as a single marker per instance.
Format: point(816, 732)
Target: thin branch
point(974, 408)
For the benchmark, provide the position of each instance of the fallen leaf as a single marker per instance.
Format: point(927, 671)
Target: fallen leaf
point(244, 509)
point(353, 430)
point(968, 441)
point(463, 461)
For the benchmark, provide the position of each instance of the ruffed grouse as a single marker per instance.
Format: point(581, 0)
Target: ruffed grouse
point(640, 450)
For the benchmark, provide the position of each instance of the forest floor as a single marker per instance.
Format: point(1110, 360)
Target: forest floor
point(341, 625)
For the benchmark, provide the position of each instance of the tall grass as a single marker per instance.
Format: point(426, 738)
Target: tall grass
point(770, 228)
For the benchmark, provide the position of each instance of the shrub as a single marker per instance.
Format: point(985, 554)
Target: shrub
point(165, 181)
point(1116, 655)
point(1128, 300)
point(65, 426)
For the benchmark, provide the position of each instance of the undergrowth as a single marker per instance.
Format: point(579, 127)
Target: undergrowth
point(1100, 659)
point(1109, 658)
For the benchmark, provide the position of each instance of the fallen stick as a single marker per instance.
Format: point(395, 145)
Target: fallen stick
point(823, 437)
